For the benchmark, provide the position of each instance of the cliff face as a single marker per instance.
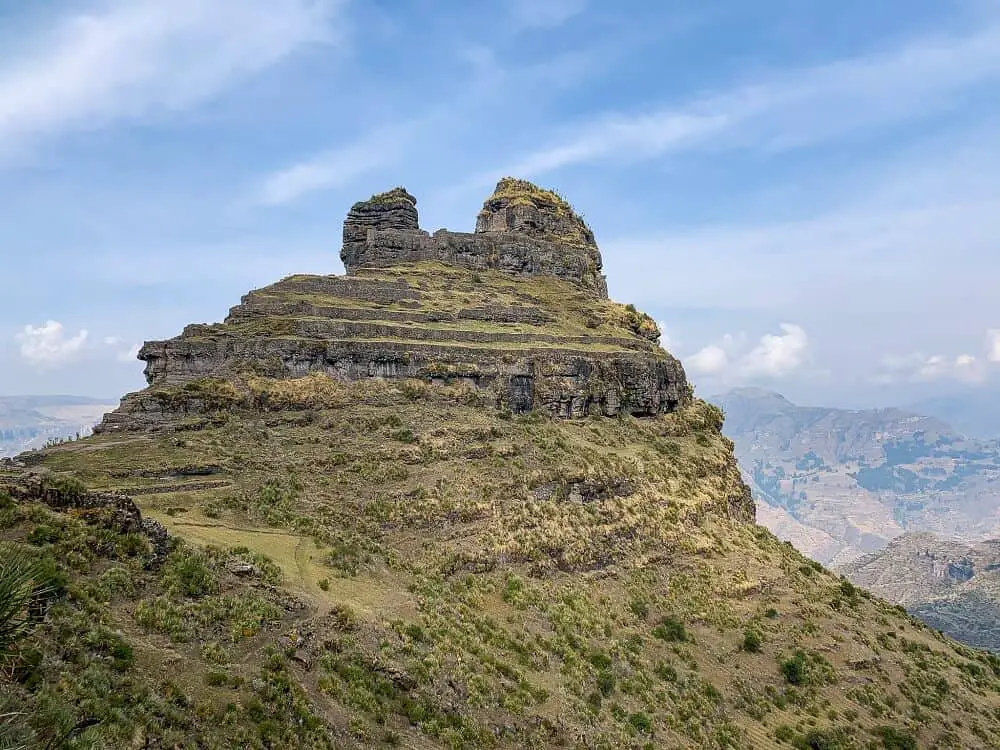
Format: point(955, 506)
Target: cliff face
point(518, 310)
point(522, 230)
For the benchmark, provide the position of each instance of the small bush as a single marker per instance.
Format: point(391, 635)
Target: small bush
point(752, 640)
point(605, 682)
point(896, 739)
point(794, 669)
point(665, 672)
point(771, 613)
point(215, 678)
point(43, 534)
point(188, 573)
point(671, 630)
point(641, 722)
point(404, 435)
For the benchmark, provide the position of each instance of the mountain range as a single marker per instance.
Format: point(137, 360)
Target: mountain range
point(952, 586)
point(28, 422)
point(842, 483)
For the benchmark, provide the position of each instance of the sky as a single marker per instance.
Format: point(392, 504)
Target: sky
point(805, 194)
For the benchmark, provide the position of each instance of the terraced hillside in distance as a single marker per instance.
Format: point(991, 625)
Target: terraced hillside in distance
point(952, 586)
point(455, 499)
point(842, 483)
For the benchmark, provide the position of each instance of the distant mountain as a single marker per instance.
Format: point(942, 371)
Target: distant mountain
point(951, 586)
point(976, 415)
point(28, 422)
point(841, 483)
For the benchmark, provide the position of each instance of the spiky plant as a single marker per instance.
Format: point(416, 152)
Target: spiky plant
point(22, 580)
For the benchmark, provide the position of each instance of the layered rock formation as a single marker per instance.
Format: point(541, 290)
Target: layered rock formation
point(518, 310)
point(522, 229)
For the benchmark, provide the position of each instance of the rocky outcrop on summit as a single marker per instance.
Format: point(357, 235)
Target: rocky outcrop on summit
point(517, 312)
point(522, 230)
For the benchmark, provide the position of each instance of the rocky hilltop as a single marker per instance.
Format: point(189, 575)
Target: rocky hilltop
point(522, 229)
point(456, 498)
point(531, 324)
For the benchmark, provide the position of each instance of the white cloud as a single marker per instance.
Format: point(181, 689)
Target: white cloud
point(993, 352)
point(545, 13)
point(777, 355)
point(112, 340)
point(798, 109)
point(132, 58)
point(711, 360)
point(666, 340)
point(774, 355)
point(918, 367)
point(47, 345)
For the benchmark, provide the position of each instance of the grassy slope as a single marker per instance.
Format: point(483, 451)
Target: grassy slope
point(471, 580)
point(446, 290)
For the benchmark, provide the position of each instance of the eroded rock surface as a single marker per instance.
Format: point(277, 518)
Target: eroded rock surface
point(517, 310)
point(522, 230)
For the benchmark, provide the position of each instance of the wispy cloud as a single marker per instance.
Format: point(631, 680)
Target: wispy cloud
point(924, 225)
point(341, 166)
point(776, 355)
point(531, 14)
point(128, 59)
point(917, 367)
point(709, 360)
point(789, 110)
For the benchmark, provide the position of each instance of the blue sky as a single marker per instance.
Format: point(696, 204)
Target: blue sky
point(806, 194)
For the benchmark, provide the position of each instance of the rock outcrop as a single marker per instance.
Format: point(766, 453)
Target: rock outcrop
point(522, 230)
point(119, 509)
point(517, 311)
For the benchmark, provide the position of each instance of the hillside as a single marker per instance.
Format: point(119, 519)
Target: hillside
point(456, 498)
point(28, 422)
point(951, 586)
point(842, 483)
point(975, 413)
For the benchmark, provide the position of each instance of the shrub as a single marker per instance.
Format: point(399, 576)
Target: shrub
point(641, 722)
point(43, 534)
point(188, 573)
point(215, 678)
point(404, 435)
point(896, 739)
point(752, 640)
point(794, 669)
point(23, 579)
point(605, 682)
point(671, 630)
point(771, 613)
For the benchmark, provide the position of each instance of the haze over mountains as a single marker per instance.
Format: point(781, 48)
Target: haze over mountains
point(28, 422)
point(841, 483)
